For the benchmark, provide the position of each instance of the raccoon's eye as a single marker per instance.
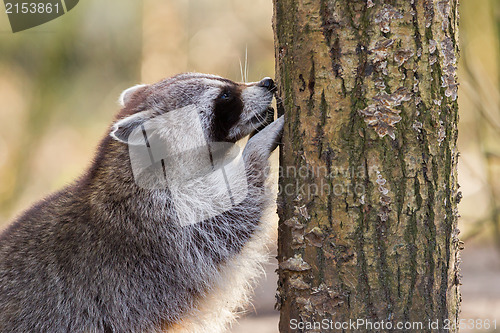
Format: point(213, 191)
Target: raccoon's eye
point(226, 96)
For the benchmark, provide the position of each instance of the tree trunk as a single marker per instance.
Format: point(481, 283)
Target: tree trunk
point(368, 187)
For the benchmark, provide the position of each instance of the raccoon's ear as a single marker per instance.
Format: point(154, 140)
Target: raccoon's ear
point(123, 128)
point(127, 94)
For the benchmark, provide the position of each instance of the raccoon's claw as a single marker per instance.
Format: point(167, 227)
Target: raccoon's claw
point(264, 142)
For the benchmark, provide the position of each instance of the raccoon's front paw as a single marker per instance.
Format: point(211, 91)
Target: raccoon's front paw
point(264, 142)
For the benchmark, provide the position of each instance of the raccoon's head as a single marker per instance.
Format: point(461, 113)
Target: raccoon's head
point(187, 104)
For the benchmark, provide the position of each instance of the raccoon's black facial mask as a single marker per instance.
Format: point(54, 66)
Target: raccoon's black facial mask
point(228, 107)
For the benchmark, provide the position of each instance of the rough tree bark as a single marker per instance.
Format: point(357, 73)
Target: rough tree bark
point(369, 193)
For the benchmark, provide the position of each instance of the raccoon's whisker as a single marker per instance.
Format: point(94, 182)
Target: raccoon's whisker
point(246, 63)
point(253, 126)
point(241, 71)
point(260, 117)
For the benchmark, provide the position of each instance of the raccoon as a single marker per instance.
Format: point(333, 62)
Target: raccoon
point(165, 231)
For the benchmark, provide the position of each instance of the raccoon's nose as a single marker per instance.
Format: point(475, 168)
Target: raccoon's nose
point(267, 83)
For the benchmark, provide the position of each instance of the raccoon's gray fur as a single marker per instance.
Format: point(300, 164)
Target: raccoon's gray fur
point(107, 255)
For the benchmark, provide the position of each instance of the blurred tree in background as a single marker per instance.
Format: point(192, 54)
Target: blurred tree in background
point(54, 81)
point(479, 73)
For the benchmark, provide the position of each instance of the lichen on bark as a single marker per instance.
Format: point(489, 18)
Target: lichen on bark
point(368, 89)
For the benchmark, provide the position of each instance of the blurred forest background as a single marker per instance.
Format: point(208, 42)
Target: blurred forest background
point(59, 83)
